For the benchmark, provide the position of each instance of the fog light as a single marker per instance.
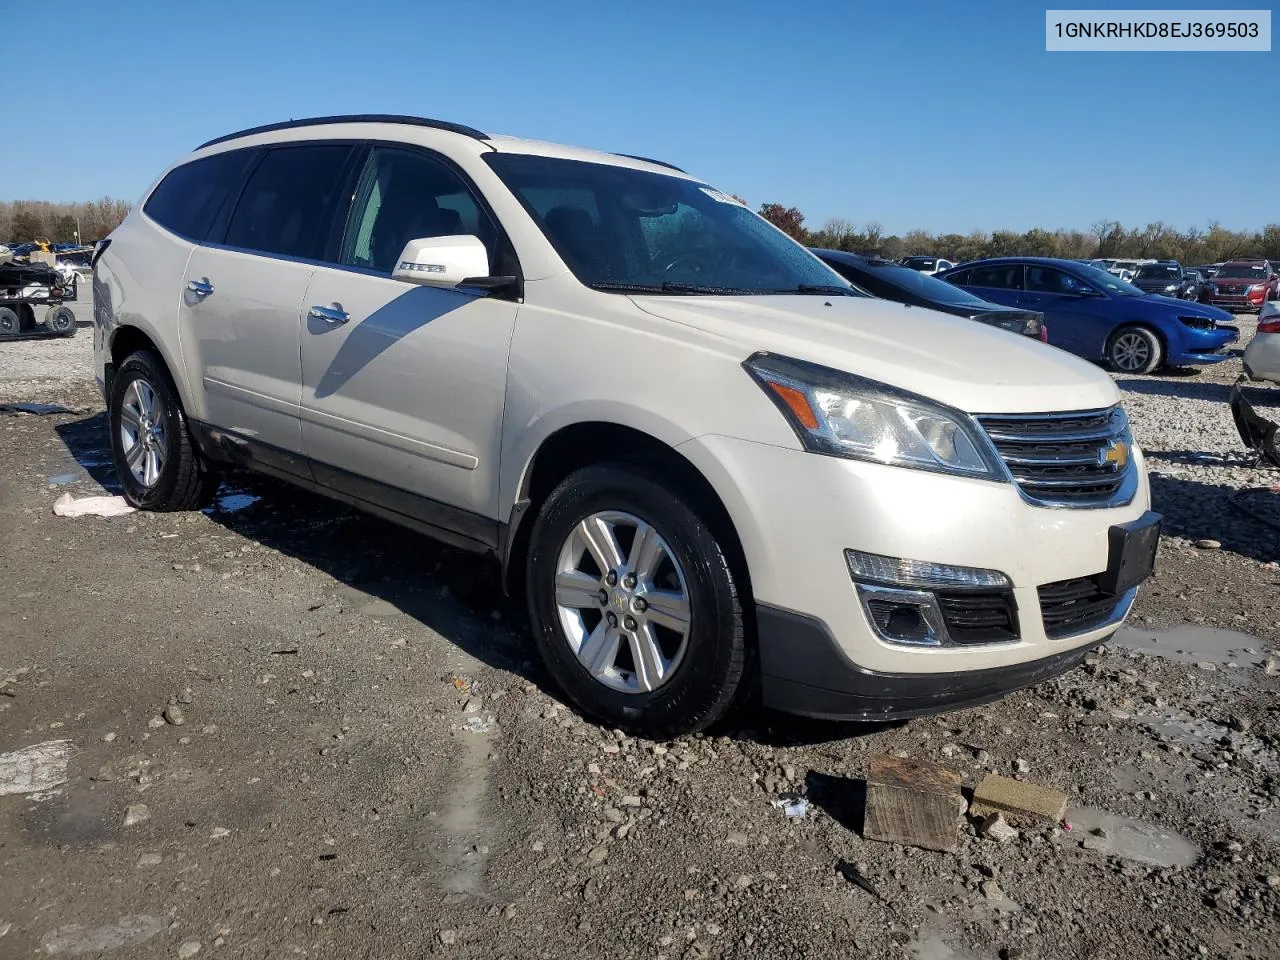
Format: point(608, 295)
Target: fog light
point(910, 617)
point(918, 573)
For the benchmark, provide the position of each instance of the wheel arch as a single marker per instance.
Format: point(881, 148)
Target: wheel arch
point(128, 338)
point(582, 444)
point(1156, 328)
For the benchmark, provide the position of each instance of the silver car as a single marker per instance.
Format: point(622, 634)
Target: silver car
point(1262, 356)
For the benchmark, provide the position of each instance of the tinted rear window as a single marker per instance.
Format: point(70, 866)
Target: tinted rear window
point(288, 203)
point(187, 200)
point(1004, 276)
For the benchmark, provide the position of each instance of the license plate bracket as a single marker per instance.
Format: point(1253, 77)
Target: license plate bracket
point(1131, 554)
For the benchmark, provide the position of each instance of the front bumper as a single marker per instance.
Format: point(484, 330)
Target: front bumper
point(804, 673)
point(1235, 302)
point(796, 513)
point(1203, 347)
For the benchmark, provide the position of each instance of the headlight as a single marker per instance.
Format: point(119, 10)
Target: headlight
point(842, 415)
point(1172, 286)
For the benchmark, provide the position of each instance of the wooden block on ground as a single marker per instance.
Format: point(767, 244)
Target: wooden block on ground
point(1017, 799)
point(913, 802)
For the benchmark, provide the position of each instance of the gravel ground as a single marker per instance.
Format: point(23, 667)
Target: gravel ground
point(290, 729)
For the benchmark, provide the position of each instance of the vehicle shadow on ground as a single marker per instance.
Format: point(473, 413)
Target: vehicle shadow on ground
point(1246, 521)
point(87, 441)
point(393, 570)
point(1177, 387)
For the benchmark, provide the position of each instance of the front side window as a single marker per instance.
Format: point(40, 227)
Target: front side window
point(1109, 282)
point(288, 203)
point(188, 199)
point(1052, 280)
point(404, 195)
point(625, 230)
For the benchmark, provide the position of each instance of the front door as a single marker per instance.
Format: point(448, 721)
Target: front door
point(403, 385)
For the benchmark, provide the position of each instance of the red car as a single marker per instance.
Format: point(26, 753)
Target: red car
point(1242, 285)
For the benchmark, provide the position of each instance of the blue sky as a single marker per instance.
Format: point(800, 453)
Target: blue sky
point(944, 117)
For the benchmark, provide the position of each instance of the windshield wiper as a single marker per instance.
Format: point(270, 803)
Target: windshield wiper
point(669, 287)
point(824, 289)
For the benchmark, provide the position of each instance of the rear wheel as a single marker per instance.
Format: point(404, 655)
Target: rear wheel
point(10, 323)
point(634, 606)
point(60, 320)
point(1135, 350)
point(157, 461)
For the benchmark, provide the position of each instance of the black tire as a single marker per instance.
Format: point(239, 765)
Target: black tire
point(1135, 349)
point(186, 481)
point(708, 680)
point(60, 320)
point(10, 323)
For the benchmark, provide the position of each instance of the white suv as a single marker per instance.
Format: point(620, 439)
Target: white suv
point(711, 465)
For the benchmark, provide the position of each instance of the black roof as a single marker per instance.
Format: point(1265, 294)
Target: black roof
point(353, 118)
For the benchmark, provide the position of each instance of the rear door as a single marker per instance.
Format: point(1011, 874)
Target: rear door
point(240, 316)
point(402, 384)
point(997, 282)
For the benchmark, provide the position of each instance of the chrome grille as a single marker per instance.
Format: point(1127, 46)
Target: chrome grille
point(1060, 459)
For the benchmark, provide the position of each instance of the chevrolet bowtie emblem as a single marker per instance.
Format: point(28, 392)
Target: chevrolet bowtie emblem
point(1115, 453)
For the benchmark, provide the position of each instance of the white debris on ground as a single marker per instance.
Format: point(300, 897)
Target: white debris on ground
point(34, 769)
point(69, 506)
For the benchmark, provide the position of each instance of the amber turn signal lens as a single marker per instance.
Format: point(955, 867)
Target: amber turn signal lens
point(797, 403)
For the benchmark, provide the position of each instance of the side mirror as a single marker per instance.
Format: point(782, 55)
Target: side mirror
point(442, 261)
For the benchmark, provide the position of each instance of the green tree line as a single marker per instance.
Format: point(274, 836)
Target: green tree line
point(1106, 238)
point(24, 220)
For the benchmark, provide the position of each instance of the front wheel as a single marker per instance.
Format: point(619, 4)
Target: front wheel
point(60, 320)
point(634, 606)
point(157, 461)
point(1135, 350)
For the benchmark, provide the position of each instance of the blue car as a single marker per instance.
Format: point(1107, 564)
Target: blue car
point(1098, 316)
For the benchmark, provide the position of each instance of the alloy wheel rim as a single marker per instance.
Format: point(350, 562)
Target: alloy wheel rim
point(623, 602)
point(1131, 352)
point(143, 438)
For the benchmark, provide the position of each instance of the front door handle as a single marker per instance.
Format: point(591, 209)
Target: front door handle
point(201, 288)
point(334, 316)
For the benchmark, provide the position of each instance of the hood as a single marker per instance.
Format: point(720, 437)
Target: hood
point(1189, 308)
point(970, 366)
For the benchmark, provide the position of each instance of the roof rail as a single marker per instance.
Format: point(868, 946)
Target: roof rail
point(660, 163)
point(353, 118)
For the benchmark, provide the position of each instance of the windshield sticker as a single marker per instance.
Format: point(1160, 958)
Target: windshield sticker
point(719, 197)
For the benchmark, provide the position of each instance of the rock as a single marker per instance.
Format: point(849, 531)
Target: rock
point(1272, 667)
point(448, 937)
point(614, 815)
point(509, 912)
point(996, 794)
point(737, 840)
point(598, 854)
point(1021, 766)
point(217, 833)
point(1239, 723)
point(631, 801)
point(1207, 665)
point(189, 948)
point(5, 927)
point(745, 880)
point(473, 705)
point(149, 860)
point(108, 737)
point(1209, 544)
point(155, 722)
point(991, 890)
point(994, 827)
point(173, 715)
point(136, 813)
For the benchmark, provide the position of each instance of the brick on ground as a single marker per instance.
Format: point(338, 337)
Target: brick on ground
point(1017, 799)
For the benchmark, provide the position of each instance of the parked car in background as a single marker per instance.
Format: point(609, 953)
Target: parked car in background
point(1262, 355)
point(929, 265)
point(1096, 315)
point(709, 464)
point(1164, 277)
point(893, 281)
point(1195, 283)
point(1124, 269)
point(1209, 270)
point(1243, 285)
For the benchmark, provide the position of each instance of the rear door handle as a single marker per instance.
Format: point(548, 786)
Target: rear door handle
point(201, 288)
point(334, 316)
